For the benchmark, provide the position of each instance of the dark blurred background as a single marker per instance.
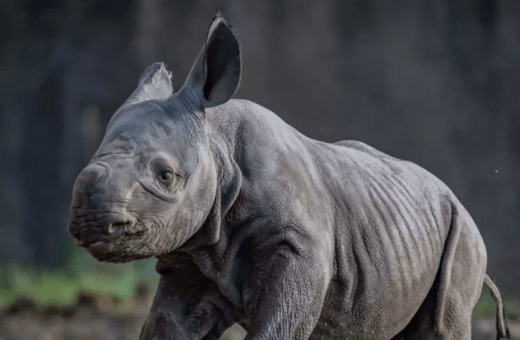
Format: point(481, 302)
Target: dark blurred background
point(436, 82)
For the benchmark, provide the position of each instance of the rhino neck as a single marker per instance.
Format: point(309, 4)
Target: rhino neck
point(229, 182)
point(209, 246)
point(247, 144)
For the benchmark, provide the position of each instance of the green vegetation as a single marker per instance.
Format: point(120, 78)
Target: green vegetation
point(487, 308)
point(82, 274)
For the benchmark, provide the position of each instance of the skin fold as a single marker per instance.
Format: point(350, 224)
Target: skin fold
point(255, 223)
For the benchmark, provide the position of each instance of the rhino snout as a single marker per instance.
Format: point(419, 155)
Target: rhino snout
point(91, 229)
point(94, 173)
point(98, 211)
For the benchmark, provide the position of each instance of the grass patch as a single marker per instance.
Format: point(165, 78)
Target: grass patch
point(487, 307)
point(60, 286)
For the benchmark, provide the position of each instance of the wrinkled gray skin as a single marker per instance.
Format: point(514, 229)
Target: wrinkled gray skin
point(254, 223)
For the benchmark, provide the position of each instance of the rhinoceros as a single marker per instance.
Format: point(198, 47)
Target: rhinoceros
point(254, 223)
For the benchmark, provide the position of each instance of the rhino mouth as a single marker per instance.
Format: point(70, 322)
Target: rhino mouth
point(104, 229)
point(95, 236)
point(108, 243)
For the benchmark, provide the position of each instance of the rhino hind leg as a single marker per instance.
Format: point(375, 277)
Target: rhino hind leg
point(447, 310)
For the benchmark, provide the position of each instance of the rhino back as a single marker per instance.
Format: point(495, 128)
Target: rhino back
point(393, 218)
point(381, 222)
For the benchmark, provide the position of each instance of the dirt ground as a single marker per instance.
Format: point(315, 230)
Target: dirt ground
point(95, 317)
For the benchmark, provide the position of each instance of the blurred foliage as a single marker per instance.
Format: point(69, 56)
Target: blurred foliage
point(487, 308)
point(82, 274)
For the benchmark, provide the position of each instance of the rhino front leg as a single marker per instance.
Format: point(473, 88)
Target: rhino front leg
point(293, 289)
point(187, 306)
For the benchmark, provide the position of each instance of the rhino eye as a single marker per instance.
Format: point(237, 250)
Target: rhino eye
point(166, 176)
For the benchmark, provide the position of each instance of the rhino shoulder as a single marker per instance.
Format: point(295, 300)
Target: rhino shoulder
point(247, 111)
point(247, 122)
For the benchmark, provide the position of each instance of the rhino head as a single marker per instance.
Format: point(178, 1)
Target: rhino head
point(152, 184)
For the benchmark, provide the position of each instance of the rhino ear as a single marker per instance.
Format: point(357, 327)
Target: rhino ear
point(155, 83)
point(218, 67)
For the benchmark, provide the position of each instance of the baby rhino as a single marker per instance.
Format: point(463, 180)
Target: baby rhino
point(256, 224)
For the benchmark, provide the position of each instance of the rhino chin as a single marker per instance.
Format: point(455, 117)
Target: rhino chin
point(108, 256)
point(113, 252)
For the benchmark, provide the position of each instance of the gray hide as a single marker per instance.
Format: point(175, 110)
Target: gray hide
point(255, 223)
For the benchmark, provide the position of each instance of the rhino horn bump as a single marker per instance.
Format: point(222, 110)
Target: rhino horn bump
point(155, 83)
